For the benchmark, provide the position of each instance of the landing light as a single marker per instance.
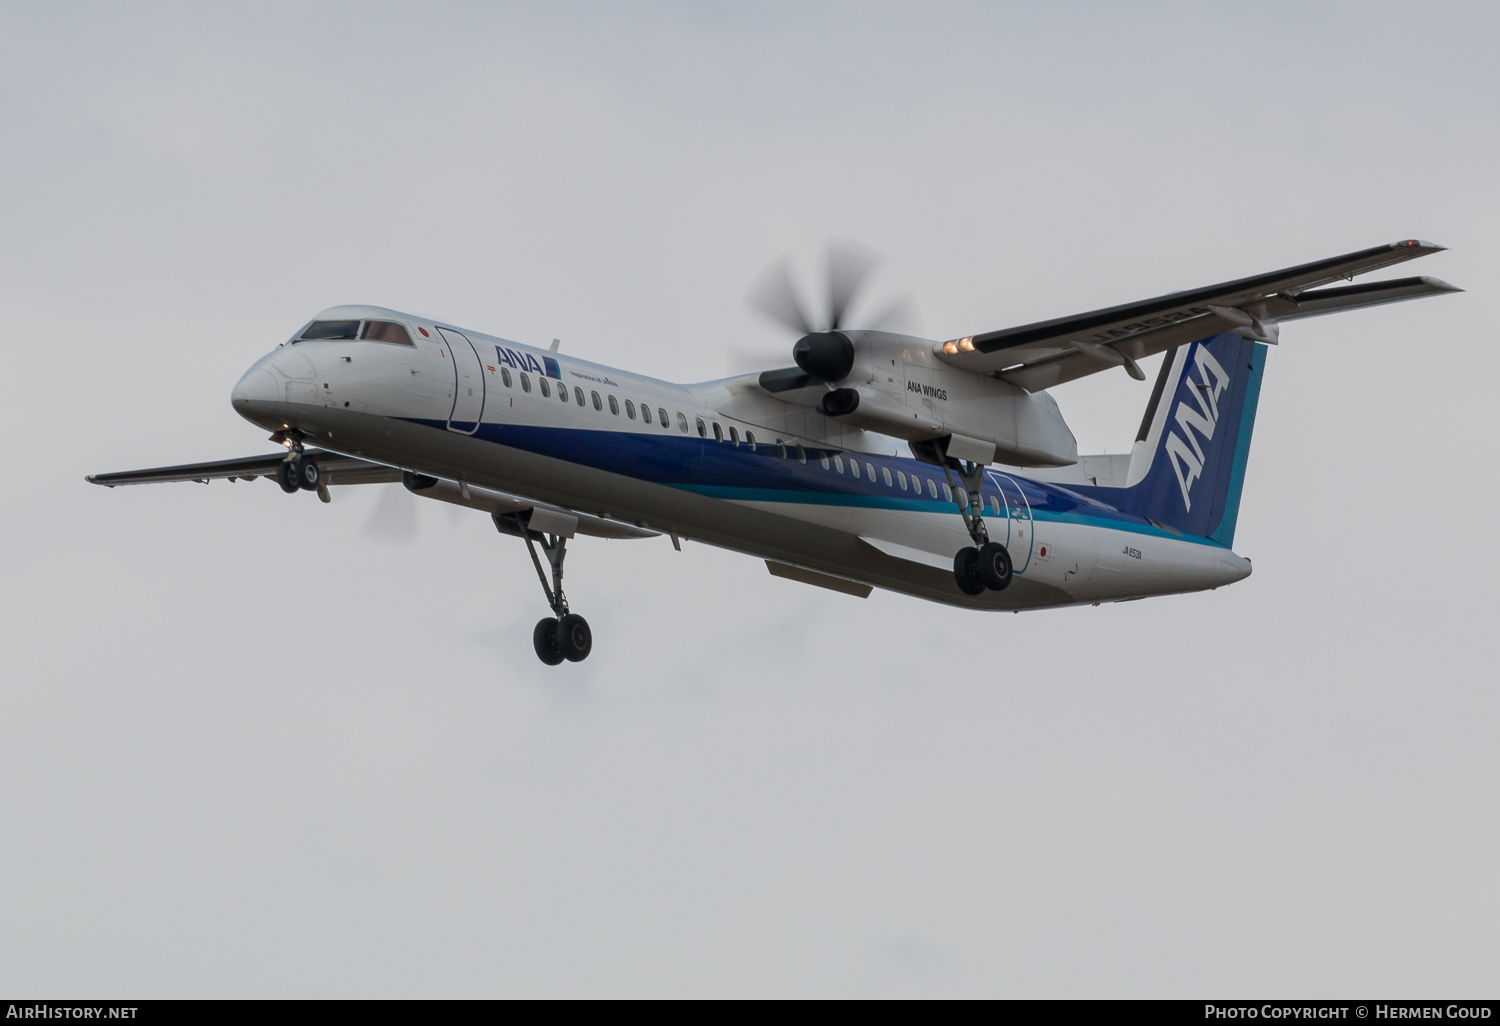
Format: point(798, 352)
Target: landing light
point(950, 348)
point(966, 344)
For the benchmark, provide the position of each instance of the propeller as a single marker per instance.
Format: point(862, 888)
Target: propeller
point(394, 518)
point(822, 349)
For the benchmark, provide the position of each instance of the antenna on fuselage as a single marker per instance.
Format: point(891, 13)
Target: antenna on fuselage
point(555, 343)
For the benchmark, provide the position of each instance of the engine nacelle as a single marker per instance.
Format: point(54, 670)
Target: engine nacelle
point(896, 387)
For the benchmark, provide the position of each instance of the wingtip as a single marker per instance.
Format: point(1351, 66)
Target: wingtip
point(1440, 285)
point(1431, 247)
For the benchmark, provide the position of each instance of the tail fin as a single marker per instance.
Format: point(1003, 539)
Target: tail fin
point(1188, 466)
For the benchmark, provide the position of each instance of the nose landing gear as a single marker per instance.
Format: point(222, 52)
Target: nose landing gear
point(300, 472)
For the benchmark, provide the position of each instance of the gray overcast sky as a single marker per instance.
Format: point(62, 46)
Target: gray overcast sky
point(248, 750)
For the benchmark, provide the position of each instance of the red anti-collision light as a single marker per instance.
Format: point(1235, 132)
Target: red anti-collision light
point(423, 331)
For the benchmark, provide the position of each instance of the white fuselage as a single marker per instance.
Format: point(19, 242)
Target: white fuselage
point(487, 413)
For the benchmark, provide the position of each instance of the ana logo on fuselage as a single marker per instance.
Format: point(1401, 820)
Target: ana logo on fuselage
point(525, 361)
point(1188, 456)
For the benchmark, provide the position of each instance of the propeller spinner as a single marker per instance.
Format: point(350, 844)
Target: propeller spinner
point(823, 351)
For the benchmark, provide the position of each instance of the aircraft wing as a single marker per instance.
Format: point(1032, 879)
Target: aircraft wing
point(337, 470)
point(1047, 353)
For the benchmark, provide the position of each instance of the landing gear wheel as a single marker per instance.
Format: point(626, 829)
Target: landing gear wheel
point(544, 638)
point(574, 639)
point(966, 571)
point(308, 474)
point(994, 566)
point(286, 476)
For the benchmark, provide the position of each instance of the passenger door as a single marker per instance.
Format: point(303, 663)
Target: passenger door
point(1019, 537)
point(468, 383)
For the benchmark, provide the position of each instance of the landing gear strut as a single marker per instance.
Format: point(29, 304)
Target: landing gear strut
point(985, 564)
point(563, 635)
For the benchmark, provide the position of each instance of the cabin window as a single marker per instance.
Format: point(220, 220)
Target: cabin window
point(995, 505)
point(931, 488)
point(750, 441)
point(598, 403)
point(386, 331)
point(614, 406)
point(562, 392)
point(885, 472)
point(963, 497)
point(901, 477)
point(825, 461)
point(947, 492)
point(542, 384)
point(854, 468)
point(734, 436)
point(801, 455)
point(525, 382)
point(838, 464)
point(682, 422)
point(718, 432)
point(870, 472)
point(505, 376)
point(629, 410)
point(578, 395)
point(666, 422)
point(645, 412)
point(330, 330)
point(781, 448)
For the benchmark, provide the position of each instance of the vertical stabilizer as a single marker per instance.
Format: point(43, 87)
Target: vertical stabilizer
point(1188, 466)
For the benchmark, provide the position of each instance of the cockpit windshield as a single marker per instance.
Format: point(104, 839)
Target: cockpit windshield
point(374, 331)
point(386, 331)
point(330, 329)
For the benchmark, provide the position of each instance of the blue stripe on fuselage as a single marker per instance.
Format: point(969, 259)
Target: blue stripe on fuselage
point(723, 470)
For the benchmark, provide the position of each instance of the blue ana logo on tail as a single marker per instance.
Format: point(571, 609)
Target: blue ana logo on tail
point(1199, 423)
point(1199, 418)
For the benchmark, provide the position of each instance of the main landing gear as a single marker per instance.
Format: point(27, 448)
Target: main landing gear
point(563, 635)
point(985, 564)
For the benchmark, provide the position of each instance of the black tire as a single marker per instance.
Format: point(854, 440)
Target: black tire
point(966, 571)
point(308, 474)
point(544, 640)
point(994, 566)
point(574, 639)
point(286, 476)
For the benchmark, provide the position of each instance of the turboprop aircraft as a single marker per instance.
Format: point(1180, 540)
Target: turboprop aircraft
point(989, 506)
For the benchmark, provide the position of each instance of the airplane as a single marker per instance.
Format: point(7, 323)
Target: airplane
point(941, 470)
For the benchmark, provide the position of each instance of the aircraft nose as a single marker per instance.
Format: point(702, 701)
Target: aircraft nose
point(257, 386)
